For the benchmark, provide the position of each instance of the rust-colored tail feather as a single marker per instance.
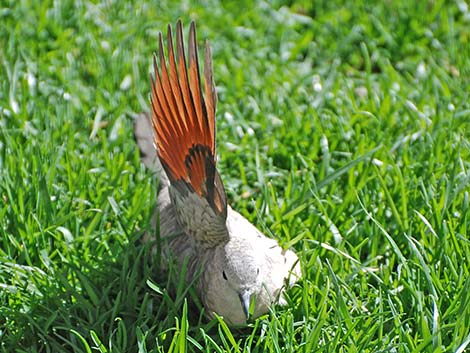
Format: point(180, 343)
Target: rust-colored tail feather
point(184, 117)
point(209, 90)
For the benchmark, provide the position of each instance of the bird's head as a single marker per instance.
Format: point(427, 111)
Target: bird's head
point(236, 289)
point(241, 276)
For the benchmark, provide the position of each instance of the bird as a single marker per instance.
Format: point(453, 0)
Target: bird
point(238, 271)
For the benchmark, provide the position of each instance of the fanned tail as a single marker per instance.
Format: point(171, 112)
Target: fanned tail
point(184, 130)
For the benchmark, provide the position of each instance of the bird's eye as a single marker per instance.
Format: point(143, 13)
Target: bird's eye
point(224, 275)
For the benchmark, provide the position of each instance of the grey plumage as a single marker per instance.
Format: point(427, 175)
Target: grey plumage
point(235, 262)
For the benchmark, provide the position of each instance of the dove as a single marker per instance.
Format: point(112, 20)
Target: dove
point(238, 272)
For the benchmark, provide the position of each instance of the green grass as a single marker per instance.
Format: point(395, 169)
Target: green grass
point(343, 132)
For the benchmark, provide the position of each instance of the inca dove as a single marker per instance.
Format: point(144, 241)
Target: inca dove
point(238, 266)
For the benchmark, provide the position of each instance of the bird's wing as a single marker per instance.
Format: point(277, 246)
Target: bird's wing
point(184, 122)
point(144, 137)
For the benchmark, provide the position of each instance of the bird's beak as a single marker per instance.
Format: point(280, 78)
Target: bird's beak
point(245, 300)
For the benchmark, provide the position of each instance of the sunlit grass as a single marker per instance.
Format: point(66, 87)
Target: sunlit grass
point(343, 132)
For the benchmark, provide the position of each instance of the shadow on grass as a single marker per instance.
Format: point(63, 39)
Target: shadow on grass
point(110, 302)
point(121, 305)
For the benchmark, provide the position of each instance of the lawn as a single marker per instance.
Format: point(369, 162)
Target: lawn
point(343, 132)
